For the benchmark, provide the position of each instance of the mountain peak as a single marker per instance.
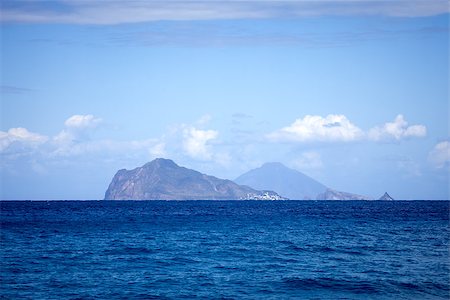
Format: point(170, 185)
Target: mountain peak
point(161, 162)
point(274, 165)
point(288, 182)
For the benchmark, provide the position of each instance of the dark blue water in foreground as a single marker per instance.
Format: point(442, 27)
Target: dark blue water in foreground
point(224, 249)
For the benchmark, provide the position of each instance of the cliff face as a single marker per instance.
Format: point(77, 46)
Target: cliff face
point(162, 179)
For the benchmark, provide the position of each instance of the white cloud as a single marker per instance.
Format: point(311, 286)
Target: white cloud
point(74, 141)
point(332, 128)
point(338, 128)
point(82, 121)
point(309, 160)
point(158, 150)
point(396, 130)
point(21, 137)
point(117, 12)
point(439, 156)
point(195, 142)
point(77, 129)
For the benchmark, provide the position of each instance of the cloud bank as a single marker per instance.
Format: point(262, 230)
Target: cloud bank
point(119, 12)
point(332, 128)
point(338, 128)
point(397, 130)
point(20, 139)
point(77, 140)
point(196, 143)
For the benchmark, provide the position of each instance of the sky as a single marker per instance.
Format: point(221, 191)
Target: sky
point(352, 93)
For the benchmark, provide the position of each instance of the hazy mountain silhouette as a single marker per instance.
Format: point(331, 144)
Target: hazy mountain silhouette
point(331, 194)
point(287, 182)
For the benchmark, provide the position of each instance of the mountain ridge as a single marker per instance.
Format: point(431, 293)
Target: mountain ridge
point(163, 179)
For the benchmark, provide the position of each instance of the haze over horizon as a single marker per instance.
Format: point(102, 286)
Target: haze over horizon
point(352, 93)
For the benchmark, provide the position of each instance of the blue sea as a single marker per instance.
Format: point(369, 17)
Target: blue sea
point(224, 249)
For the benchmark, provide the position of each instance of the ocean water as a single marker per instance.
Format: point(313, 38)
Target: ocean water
point(224, 249)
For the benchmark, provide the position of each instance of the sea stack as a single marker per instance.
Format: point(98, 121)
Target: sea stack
point(386, 197)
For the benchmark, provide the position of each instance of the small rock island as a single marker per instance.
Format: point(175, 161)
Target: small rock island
point(386, 197)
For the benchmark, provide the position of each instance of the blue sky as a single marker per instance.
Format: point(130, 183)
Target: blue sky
point(354, 94)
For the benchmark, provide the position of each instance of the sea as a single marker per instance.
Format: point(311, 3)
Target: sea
point(224, 250)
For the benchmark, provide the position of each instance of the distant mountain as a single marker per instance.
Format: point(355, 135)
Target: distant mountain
point(386, 197)
point(285, 181)
point(162, 179)
point(292, 184)
point(331, 194)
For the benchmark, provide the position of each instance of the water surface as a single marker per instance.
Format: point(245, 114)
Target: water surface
point(225, 249)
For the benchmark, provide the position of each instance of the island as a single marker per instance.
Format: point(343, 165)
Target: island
point(163, 179)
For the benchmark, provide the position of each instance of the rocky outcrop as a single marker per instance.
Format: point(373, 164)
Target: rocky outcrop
point(330, 194)
point(386, 197)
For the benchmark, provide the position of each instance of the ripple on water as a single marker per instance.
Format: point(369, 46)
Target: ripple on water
point(224, 249)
